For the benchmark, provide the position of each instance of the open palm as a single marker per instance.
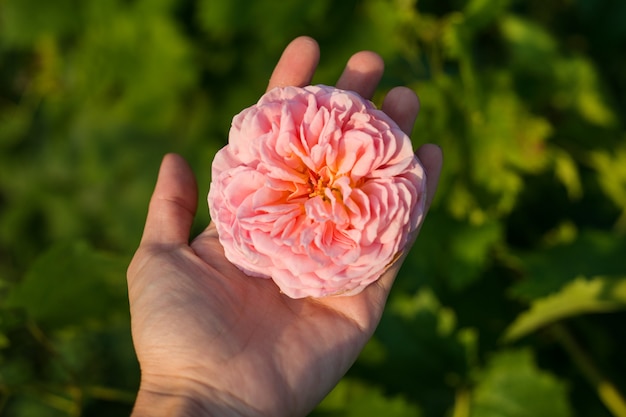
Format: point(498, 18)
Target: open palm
point(213, 341)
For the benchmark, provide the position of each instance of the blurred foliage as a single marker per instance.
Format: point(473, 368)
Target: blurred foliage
point(511, 302)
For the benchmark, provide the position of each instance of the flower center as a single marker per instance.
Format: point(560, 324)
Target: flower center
point(318, 184)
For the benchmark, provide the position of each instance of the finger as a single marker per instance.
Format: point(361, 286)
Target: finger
point(173, 204)
point(297, 64)
point(362, 73)
point(402, 105)
point(431, 158)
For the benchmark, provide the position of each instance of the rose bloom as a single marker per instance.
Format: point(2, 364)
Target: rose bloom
point(317, 190)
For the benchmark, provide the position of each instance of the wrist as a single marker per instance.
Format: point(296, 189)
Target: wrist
point(174, 397)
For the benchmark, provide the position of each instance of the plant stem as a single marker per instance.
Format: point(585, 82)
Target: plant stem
point(74, 391)
point(608, 393)
point(462, 403)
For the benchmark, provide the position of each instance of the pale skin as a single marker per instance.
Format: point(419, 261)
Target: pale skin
point(212, 341)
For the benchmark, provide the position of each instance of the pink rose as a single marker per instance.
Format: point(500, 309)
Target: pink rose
point(317, 190)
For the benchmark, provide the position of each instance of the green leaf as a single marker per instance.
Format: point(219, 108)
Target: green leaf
point(23, 21)
point(424, 303)
point(354, 398)
point(508, 141)
point(528, 42)
point(592, 253)
point(71, 284)
point(470, 248)
point(419, 350)
point(480, 13)
point(41, 403)
point(14, 122)
point(512, 386)
point(580, 88)
point(611, 168)
point(442, 239)
point(566, 171)
point(581, 296)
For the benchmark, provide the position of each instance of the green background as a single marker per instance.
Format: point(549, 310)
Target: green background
point(510, 304)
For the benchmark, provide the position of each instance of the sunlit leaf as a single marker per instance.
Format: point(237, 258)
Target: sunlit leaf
point(455, 36)
point(507, 141)
point(425, 302)
point(480, 13)
point(530, 44)
point(611, 168)
point(581, 296)
point(566, 171)
point(580, 89)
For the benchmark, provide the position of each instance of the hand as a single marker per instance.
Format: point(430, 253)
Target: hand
point(213, 341)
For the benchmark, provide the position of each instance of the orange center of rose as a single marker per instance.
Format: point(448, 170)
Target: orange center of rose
point(319, 183)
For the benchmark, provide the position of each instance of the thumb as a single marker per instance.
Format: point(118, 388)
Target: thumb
point(173, 204)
